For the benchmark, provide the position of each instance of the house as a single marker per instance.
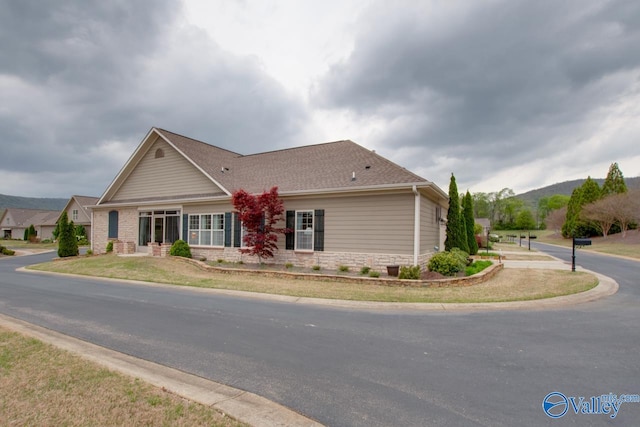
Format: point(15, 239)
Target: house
point(77, 209)
point(345, 204)
point(485, 223)
point(15, 221)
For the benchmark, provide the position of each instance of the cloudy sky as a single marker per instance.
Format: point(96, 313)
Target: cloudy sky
point(517, 94)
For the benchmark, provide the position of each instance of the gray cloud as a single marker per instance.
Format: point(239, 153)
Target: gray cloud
point(503, 81)
point(84, 81)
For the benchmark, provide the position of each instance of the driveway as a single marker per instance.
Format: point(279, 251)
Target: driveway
point(361, 368)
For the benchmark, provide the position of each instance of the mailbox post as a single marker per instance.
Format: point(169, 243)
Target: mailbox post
point(578, 242)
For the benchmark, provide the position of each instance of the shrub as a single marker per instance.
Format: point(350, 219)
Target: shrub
point(365, 270)
point(409, 272)
point(89, 252)
point(447, 263)
point(316, 268)
point(477, 267)
point(343, 268)
point(220, 261)
point(67, 244)
point(288, 265)
point(374, 274)
point(6, 251)
point(461, 255)
point(180, 248)
point(110, 246)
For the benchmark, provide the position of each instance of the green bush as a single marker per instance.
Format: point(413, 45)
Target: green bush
point(67, 243)
point(6, 251)
point(374, 274)
point(411, 273)
point(477, 267)
point(288, 265)
point(110, 246)
point(343, 268)
point(316, 268)
point(461, 255)
point(365, 270)
point(89, 252)
point(180, 248)
point(447, 263)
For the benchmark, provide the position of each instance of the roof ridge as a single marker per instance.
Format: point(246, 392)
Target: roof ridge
point(300, 147)
point(198, 141)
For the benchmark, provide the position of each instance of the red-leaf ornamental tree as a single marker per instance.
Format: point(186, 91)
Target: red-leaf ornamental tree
point(259, 216)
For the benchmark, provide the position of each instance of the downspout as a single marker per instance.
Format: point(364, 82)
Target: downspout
point(92, 235)
point(416, 225)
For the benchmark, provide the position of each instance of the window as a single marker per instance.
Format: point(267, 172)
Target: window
point(113, 225)
point(159, 153)
point(158, 226)
point(206, 230)
point(74, 214)
point(304, 230)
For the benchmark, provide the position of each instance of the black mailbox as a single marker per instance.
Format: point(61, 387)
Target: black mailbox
point(522, 236)
point(581, 242)
point(533, 237)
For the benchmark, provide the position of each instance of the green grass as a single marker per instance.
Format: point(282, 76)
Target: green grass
point(477, 267)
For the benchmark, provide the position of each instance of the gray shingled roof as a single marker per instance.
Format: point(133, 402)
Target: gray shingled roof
point(312, 167)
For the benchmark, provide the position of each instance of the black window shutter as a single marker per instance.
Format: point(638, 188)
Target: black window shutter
point(318, 230)
point(236, 230)
point(227, 229)
point(113, 225)
point(291, 235)
point(185, 227)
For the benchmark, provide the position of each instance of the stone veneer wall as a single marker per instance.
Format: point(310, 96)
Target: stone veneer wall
point(326, 260)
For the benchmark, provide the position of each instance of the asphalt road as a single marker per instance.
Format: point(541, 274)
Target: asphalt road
point(362, 368)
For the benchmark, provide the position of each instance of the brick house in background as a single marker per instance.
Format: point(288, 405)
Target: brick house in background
point(345, 204)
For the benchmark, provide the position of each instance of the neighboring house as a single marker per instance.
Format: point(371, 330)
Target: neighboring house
point(15, 221)
point(485, 223)
point(77, 211)
point(345, 204)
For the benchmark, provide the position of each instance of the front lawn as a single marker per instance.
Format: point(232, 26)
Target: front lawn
point(508, 285)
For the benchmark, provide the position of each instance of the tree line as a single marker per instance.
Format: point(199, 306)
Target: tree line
point(591, 210)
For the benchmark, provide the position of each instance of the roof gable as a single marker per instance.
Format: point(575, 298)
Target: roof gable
point(159, 169)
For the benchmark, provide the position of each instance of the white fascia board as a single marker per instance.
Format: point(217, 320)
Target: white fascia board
point(137, 150)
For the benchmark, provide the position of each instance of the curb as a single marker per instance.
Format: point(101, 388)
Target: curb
point(239, 404)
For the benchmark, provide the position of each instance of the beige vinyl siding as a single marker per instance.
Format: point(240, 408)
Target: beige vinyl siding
point(381, 223)
point(208, 208)
point(429, 226)
point(83, 217)
point(171, 175)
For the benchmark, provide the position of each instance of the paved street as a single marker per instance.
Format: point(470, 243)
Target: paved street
point(362, 368)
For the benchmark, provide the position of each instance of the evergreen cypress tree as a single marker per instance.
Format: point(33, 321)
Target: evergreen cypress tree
point(614, 183)
point(470, 222)
point(574, 226)
point(67, 243)
point(456, 236)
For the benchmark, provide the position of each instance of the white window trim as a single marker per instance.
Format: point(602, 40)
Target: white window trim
point(296, 231)
point(74, 215)
point(199, 230)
